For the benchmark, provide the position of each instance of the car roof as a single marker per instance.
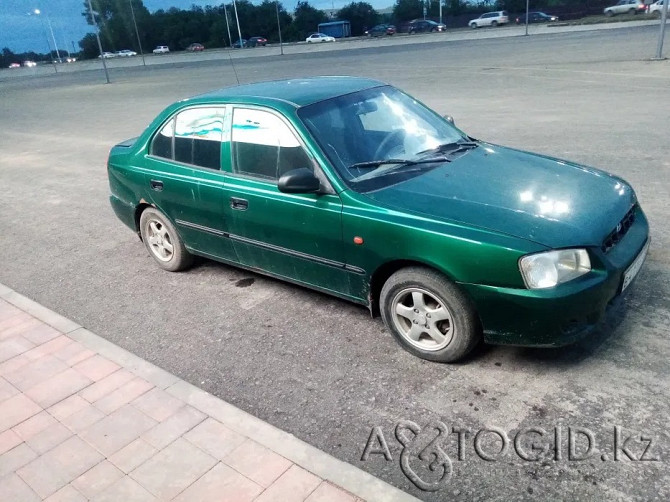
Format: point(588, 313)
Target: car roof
point(296, 92)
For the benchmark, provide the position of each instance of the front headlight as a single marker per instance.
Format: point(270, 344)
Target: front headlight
point(546, 270)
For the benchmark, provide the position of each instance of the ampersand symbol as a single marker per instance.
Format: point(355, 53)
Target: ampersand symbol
point(413, 447)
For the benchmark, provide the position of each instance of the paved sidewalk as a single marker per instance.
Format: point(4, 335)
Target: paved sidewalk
point(83, 419)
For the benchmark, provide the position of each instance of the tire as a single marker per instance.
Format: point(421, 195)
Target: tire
point(409, 298)
point(494, 24)
point(632, 12)
point(157, 231)
point(609, 13)
point(473, 26)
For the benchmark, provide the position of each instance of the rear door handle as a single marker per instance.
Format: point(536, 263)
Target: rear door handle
point(156, 185)
point(239, 204)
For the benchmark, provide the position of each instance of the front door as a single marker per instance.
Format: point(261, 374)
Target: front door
point(295, 236)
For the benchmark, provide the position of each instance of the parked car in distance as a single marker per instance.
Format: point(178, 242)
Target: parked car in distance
point(195, 48)
point(257, 41)
point(351, 187)
point(14, 65)
point(656, 9)
point(126, 53)
point(625, 7)
point(240, 43)
point(536, 17)
point(161, 49)
point(381, 30)
point(29, 64)
point(425, 25)
point(497, 18)
point(70, 59)
point(107, 55)
point(319, 37)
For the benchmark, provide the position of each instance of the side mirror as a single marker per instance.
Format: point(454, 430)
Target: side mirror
point(449, 119)
point(299, 181)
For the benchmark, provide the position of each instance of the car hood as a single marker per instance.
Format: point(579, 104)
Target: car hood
point(545, 200)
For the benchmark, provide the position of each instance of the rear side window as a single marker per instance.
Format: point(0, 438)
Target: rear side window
point(193, 137)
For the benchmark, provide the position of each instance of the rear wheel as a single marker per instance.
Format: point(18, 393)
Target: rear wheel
point(609, 13)
point(632, 12)
point(163, 242)
point(494, 23)
point(428, 315)
point(473, 26)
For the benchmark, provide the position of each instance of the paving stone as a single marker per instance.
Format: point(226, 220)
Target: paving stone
point(58, 387)
point(11, 319)
point(34, 425)
point(57, 467)
point(66, 494)
point(173, 469)
point(133, 455)
point(68, 407)
point(126, 490)
point(73, 353)
point(97, 479)
point(295, 485)
point(15, 410)
point(7, 390)
point(49, 347)
point(8, 440)
point(100, 389)
point(185, 419)
point(35, 372)
point(117, 430)
point(14, 346)
point(14, 489)
point(215, 438)
point(83, 419)
point(222, 484)
point(158, 404)
point(40, 334)
point(17, 327)
point(49, 438)
point(13, 364)
point(15, 458)
point(257, 462)
point(123, 395)
point(96, 367)
point(327, 492)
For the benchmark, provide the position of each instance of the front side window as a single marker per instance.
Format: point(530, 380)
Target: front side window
point(263, 146)
point(192, 137)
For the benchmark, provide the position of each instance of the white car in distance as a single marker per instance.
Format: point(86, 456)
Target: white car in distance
point(161, 49)
point(319, 37)
point(125, 53)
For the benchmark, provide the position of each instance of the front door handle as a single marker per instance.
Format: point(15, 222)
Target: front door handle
point(239, 204)
point(156, 185)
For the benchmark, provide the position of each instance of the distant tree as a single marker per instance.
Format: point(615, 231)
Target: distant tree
point(306, 20)
point(406, 10)
point(361, 15)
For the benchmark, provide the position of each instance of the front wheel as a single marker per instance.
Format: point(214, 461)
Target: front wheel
point(163, 242)
point(428, 315)
point(473, 26)
point(609, 13)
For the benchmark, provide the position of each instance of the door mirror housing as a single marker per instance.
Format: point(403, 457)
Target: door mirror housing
point(299, 181)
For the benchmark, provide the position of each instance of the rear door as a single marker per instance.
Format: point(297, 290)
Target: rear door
point(186, 180)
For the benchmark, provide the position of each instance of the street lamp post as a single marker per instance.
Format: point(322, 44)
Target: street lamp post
point(661, 35)
point(132, 13)
point(237, 20)
point(46, 36)
point(225, 13)
point(527, 7)
point(38, 12)
point(97, 35)
point(281, 46)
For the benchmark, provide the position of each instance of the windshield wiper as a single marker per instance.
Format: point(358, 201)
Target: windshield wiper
point(451, 148)
point(400, 162)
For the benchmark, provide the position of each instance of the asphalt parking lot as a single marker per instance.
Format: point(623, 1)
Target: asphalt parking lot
point(319, 367)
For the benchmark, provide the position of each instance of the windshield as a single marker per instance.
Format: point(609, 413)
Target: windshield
point(377, 136)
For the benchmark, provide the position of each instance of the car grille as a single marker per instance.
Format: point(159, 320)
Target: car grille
point(620, 230)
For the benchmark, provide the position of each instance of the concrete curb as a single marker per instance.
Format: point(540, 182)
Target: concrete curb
point(327, 467)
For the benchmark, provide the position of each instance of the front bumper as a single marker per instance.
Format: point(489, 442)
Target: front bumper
point(562, 315)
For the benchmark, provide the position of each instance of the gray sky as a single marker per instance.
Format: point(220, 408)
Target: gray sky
point(22, 31)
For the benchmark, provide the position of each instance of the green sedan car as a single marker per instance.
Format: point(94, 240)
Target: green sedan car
point(351, 187)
